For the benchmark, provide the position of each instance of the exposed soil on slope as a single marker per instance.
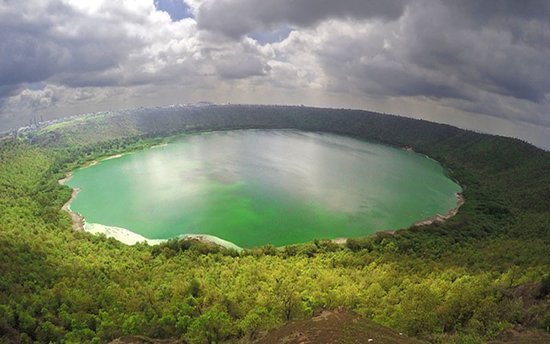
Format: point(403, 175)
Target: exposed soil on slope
point(336, 326)
point(522, 337)
point(145, 340)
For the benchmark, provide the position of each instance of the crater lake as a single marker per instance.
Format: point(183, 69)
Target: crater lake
point(257, 187)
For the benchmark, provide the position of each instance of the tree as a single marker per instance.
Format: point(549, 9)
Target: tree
point(416, 313)
point(211, 327)
point(255, 321)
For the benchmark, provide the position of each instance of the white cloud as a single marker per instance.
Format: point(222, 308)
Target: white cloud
point(448, 60)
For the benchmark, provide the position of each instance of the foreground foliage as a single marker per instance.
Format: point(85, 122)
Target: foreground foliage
point(468, 279)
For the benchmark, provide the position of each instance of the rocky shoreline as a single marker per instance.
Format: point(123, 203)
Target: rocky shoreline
point(77, 220)
point(438, 218)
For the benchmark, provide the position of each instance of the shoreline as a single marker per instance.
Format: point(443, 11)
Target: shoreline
point(77, 220)
point(159, 145)
point(97, 161)
point(131, 238)
point(128, 237)
point(122, 234)
point(116, 156)
point(65, 179)
point(439, 218)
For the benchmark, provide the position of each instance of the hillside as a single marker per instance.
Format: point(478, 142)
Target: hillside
point(336, 327)
point(466, 280)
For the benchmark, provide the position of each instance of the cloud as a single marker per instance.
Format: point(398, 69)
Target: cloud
point(236, 18)
point(238, 61)
point(37, 99)
point(36, 47)
point(78, 44)
point(476, 59)
point(489, 57)
point(501, 13)
point(431, 52)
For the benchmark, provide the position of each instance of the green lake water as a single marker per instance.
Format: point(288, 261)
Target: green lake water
point(256, 187)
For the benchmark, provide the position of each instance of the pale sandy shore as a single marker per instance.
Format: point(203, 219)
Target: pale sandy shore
point(112, 157)
point(130, 238)
point(97, 161)
point(121, 234)
point(65, 179)
point(340, 241)
point(210, 239)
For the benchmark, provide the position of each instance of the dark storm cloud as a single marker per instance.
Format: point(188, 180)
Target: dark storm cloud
point(8, 91)
point(487, 55)
point(55, 41)
point(5, 92)
point(239, 17)
point(25, 57)
point(461, 55)
point(499, 11)
point(438, 49)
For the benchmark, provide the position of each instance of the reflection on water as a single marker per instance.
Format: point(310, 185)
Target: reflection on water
point(255, 187)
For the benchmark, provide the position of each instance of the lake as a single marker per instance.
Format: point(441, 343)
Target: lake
point(256, 187)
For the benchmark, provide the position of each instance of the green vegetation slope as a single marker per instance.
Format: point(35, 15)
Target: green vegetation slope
point(465, 280)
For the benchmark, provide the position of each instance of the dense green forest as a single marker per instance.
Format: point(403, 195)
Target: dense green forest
point(465, 281)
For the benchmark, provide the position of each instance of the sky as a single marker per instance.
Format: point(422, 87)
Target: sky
point(480, 65)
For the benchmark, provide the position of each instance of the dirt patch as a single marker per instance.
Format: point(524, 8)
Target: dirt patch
point(145, 340)
point(335, 326)
point(522, 337)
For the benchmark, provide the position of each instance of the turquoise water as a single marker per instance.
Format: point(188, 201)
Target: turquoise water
point(256, 187)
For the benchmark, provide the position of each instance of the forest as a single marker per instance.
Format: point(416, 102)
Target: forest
point(482, 272)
